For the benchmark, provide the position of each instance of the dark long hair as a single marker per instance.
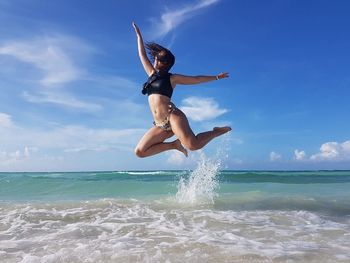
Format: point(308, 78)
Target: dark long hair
point(163, 54)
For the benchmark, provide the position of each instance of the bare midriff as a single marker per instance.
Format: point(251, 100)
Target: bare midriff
point(159, 105)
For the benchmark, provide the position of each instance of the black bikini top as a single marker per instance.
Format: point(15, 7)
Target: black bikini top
point(158, 83)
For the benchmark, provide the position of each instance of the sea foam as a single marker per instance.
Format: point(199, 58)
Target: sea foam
point(134, 231)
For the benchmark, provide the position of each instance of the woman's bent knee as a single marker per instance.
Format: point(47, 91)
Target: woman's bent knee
point(139, 152)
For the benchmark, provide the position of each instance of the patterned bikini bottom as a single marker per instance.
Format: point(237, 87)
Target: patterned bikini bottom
point(165, 123)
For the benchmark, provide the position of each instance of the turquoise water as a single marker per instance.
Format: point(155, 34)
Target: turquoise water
point(326, 191)
point(204, 215)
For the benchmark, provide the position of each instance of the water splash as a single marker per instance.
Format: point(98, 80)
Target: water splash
point(202, 183)
point(200, 187)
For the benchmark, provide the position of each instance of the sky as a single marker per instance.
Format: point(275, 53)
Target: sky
point(71, 79)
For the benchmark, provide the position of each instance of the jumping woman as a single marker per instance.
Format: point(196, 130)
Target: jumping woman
point(168, 120)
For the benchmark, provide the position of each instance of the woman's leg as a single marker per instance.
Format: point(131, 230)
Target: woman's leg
point(153, 142)
point(182, 130)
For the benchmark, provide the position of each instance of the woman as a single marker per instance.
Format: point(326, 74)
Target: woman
point(168, 120)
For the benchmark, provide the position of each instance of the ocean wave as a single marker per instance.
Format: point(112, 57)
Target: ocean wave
point(257, 200)
point(146, 173)
point(286, 177)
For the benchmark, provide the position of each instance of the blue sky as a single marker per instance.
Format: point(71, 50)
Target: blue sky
point(70, 82)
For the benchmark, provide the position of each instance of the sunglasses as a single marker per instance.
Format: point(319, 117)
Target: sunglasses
point(162, 59)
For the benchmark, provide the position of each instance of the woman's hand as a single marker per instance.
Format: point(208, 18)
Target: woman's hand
point(222, 75)
point(137, 30)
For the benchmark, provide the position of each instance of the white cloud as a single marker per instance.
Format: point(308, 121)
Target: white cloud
point(237, 161)
point(7, 157)
point(5, 120)
point(101, 148)
point(275, 156)
point(201, 109)
point(51, 55)
point(57, 61)
point(171, 19)
point(333, 151)
point(26, 151)
point(299, 155)
point(179, 159)
point(68, 137)
point(19, 147)
point(176, 158)
point(61, 99)
point(55, 58)
point(73, 137)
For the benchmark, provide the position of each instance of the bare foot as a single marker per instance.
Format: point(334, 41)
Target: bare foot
point(221, 130)
point(179, 147)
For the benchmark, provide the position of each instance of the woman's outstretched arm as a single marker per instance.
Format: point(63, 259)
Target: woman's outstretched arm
point(142, 52)
point(190, 80)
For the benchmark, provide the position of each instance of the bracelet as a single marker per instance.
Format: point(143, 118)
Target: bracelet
point(217, 77)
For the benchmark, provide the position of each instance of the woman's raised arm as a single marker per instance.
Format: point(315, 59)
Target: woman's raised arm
point(142, 52)
point(190, 80)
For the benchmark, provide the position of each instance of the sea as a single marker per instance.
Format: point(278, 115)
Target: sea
point(207, 214)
